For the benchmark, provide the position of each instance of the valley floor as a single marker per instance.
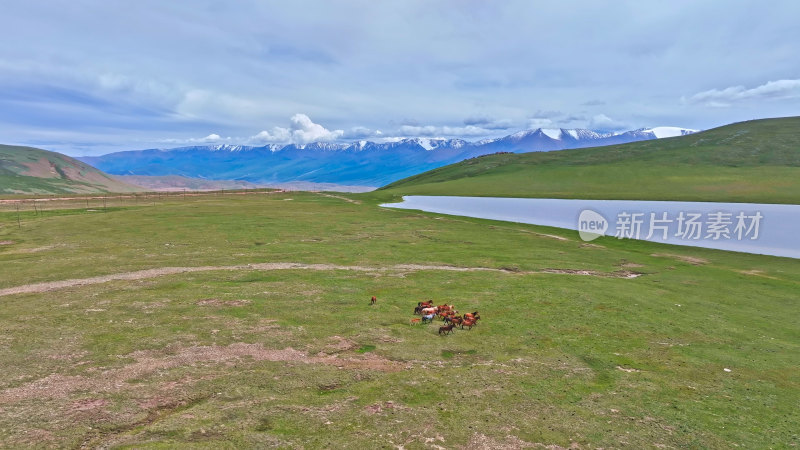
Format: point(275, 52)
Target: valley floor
point(245, 321)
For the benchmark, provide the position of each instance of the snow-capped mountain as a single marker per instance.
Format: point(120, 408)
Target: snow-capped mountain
point(361, 162)
point(545, 139)
point(667, 132)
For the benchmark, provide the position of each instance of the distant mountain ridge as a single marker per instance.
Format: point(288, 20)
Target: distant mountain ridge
point(363, 162)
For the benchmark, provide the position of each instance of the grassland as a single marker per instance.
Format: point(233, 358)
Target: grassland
point(756, 161)
point(31, 170)
point(247, 356)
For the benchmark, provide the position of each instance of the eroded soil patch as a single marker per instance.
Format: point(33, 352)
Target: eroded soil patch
point(687, 259)
point(147, 363)
point(151, 273)
point(218, 302)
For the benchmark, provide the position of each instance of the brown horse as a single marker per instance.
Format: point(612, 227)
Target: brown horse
point(468, 324)
point(447, 329)
point(373, 300)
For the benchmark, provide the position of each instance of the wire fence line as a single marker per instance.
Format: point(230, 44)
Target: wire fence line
point(42, 204)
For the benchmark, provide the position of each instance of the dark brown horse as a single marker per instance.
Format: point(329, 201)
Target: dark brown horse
point(447, 329)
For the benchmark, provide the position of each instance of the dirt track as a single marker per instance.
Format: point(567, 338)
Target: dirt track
point(152, 273)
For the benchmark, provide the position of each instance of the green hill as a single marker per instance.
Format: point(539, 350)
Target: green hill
point(27, 170)
point(754, 161)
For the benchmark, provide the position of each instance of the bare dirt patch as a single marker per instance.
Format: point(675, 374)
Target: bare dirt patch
point(687, 259)
point(756, 273)
point(33, 249)
point(630, 265)
point(218, 302)
point(340, 344)
point(152, 273)
point(42, 168)
point(147, 363)
point(6, 242)
point(349, 200)
point(377, 408)
point(88, 404)
point(552, 236)
point(593, 273)
point(482, 442)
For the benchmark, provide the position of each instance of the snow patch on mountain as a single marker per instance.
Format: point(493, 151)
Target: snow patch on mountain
point(668, 132)
point(229, 147)
point(517, 135)
point(425, 143)
point(552, 133)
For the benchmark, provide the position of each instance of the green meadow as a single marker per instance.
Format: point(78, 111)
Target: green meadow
point(229, 349)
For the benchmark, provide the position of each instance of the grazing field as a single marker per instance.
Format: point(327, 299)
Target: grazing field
point(246, 321)
point(755, 162)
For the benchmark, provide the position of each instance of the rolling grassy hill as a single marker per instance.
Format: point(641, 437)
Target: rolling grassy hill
point(27, 170)
point(754, 161)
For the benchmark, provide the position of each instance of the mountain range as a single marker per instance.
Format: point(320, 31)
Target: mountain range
point(360, 163)
point(757, 161)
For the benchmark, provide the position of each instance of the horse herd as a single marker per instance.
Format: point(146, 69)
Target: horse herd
point(447, 313)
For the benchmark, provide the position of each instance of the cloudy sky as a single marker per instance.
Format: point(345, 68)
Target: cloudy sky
point(95, 76)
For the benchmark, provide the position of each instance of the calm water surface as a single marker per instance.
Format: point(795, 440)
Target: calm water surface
point(698, 224)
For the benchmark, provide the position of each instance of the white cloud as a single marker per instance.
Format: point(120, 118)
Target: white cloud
point(489, 123)
point(305, 131)
point(362, 133)
point(416, 130)
point(539, 122)
point(202, 103)
point(469, 130)
point(432, 131)
point(301, 131)
point(277, 136)
point(241, 68)
point(776, 90)
point(602, 120)
point(210, 139)
point(555, 119)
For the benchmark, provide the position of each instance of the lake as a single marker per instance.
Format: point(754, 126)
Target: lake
point(743, 227)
